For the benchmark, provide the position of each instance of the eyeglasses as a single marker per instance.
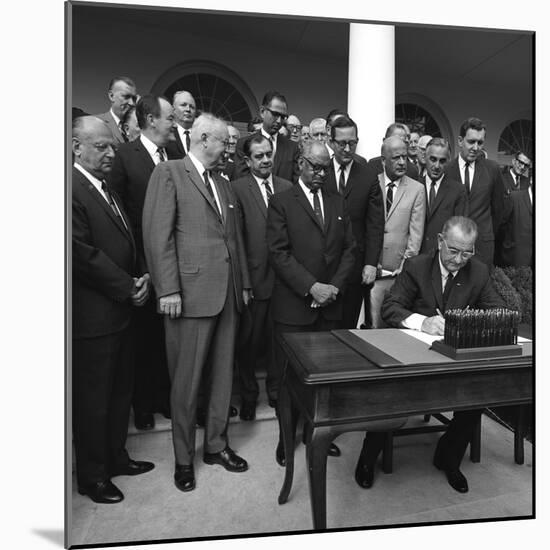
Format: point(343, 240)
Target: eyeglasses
point(341, 144)
point(524, 164)
point(294, 127)
point(466, 254)
point(317, 168)
point(275, 114)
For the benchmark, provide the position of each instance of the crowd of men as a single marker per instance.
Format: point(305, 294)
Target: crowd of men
point(195, 248)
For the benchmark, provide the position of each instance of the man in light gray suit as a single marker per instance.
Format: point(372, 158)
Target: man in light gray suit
point(405, 211)
point(197, 261)
point(123, 96)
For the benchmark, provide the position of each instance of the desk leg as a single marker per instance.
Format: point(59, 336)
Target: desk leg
point(285, 418)
point(316, 456)
point(519, 430)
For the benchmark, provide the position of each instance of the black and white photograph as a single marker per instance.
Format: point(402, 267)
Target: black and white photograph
point(299, 276)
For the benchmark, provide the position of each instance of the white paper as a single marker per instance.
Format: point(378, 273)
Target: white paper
point(422, 336)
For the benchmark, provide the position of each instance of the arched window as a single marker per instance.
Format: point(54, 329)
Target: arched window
point(216, 90)
point(417, 119)
point(517, 136)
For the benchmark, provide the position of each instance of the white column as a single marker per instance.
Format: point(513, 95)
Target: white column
point(371, 83)
point(371, 87)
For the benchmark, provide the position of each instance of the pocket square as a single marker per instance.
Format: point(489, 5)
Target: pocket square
point(230, 205)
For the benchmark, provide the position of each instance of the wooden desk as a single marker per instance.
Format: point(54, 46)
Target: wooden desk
point(337, 391)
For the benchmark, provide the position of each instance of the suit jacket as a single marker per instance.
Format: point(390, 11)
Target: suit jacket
point(375, 164)
point(450, 201)
point(115, 130)
point(285, 163)
point(302, 253)
point(365, 207)
point(510, 184)
point(485, 202)
point(417, 289)
point(175, 149)
point(253, 218)
point(517, 245)
point(129, 177)
point(189, 248)
point(404, 227)
point(104, 263)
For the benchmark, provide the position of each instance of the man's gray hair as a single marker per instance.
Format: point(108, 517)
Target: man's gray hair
point(204, 124)
point(390, 142)
point(466, 225)
point(439, 142)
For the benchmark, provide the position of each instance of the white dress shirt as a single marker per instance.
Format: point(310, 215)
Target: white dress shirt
point(200, 169)
point(462, 166)
point(415, 320)
point(116, 119)
point(152, 149)
point(347, 169)
point(98, 185)
point(309, 195)
point(272, 139)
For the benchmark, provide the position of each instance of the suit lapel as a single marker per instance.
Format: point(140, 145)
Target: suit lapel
point(144, 155)
point(439, 197)
point(480, 174)
point(198, 182)
point(257, 195)
point(331, 183)
point(351, 179)
point(302, 199)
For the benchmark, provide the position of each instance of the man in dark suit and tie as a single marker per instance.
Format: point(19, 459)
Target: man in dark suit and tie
point(253, 195)
point(185, 111)
point(428, 285)
point(273, 113)
point(334, 115)
point(482, 180)
point(363, 196)
point(198, 266)
point(517, 243)
point(516, 176)
point(122, 95)
point(132, 168)
point(107, 282)
point(401, 131)
point(311, 248)
point(446, 198)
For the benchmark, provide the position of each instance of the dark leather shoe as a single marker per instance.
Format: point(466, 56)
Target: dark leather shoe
point(233, 411)
point(364, 474)
point(248, 410)
point(103, 492)
point(455, 477)
point(333, 450)
point(144, 421)
point(280, 455)
point(228, 459)
point(133, 468)
point(184, 477)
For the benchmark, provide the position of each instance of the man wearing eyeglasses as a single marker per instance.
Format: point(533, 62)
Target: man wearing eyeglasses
point(294, 127)
point(274, 114)
point(449, 278)
point(363, 196)
point(122, 95)
point(516, 176)
point(198, 266)
point(311, 248)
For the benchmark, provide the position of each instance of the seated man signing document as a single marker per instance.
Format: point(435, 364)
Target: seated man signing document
point(449, 278)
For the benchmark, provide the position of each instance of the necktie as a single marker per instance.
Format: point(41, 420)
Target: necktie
point(389, 197)
point(431, 197)
point(342, 180)
point(208, 186)
point(161, 154)
point(268, 190)
point(187, 140)
point(123, 133)
point(317, 206)
point(467, 177)
point(447, 289)
point(112, 203)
